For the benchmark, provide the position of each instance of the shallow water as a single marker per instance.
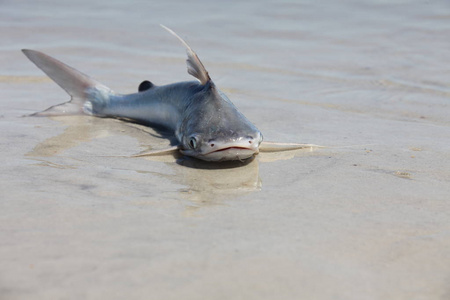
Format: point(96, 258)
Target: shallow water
point(366, 217)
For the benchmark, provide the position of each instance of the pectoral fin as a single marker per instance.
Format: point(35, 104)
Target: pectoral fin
point(156, 152)
point(275, 147)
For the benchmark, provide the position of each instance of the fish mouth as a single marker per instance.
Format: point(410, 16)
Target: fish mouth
point(229, 153)
point(230, 148)
point(226, 153)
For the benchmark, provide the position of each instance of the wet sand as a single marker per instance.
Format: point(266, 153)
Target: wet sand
point(364, 218)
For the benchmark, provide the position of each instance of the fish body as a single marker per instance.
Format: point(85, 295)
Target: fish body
point(206, 124)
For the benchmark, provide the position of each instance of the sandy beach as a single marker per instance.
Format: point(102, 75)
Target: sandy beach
point(366, 217)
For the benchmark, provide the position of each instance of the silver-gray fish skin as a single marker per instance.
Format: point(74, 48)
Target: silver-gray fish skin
point(205, 122)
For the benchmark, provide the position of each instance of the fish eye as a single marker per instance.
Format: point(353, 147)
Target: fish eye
point(193, 142)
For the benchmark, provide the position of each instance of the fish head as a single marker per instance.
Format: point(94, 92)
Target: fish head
point(216, 131)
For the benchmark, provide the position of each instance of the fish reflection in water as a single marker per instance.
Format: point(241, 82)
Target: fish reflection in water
point(204, 183)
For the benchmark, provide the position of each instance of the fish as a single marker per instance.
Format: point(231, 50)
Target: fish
point(204, 121)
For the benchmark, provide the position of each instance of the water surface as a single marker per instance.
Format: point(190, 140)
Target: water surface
point(365, 218)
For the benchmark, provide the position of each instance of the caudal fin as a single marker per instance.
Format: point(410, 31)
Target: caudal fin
point(78, 85)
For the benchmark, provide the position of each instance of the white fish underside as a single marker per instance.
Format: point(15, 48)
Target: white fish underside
point(205, 122)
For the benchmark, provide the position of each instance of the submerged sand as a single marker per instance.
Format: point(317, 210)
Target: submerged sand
point(365, 218)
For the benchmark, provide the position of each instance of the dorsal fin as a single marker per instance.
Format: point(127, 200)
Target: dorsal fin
point(194, 65)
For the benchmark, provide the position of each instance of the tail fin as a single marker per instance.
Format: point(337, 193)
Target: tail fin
point(78, 85)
